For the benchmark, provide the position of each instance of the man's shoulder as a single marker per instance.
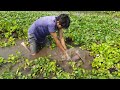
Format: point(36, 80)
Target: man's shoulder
point(47, 17)
point(46, 21)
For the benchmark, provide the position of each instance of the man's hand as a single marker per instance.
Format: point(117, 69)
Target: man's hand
point(66, 56)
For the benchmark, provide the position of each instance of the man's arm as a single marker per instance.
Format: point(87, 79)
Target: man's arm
point(60, 32)
point(58, 43)
point(62, 39)
point(54, 35)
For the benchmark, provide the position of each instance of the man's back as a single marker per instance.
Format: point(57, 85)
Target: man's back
point(43, 26)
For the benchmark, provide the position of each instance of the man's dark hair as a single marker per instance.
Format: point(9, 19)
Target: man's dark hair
point(64, 20)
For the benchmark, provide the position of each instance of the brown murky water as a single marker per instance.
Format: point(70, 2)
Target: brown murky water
point(55, 55)
point(5, 52)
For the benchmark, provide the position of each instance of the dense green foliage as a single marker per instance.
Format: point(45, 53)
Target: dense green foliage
point(95, 31)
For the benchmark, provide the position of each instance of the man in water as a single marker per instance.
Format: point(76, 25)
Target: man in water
point(48, 25)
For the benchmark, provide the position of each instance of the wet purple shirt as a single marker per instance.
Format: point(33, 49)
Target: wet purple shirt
point(42, 27)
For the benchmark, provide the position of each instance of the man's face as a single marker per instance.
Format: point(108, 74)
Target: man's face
point(58, 25)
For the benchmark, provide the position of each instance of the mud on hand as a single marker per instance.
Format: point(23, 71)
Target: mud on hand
point(66, 56)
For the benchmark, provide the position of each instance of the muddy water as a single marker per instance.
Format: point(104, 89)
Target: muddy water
point(5, 52)
point(55, 55)
point(84, 57)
